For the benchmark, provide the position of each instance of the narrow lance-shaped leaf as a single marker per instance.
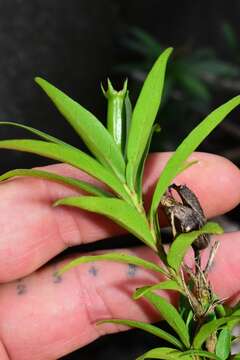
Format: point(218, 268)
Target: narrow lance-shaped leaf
point(220, 311)
point(69, 155)
point(189, 318)
point(147, 44)
point(207, 329)
point(140, 172)
point(77, 184)
point(205, 354)
point(114, 256)
point(194, 86)
point(171, 315)
point(164, 353)
point(186, 165)
point(144, 114)
point(37, 132)
point(189, 144)
point(223, 347)
point(148, 328)
point(91, 189)
point(182, 242)
point(118, 211)
point(235, 308)
point(164, 285)
point(91, 130)
point(233, 323)
point(128, 119)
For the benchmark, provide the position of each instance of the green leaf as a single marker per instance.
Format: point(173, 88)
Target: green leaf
point(118, 211)
point(39, 133)
point(144, 114)
point(184, 150)
point(195, 87)
point(148, 328)
point(189, 319)
point(236, 307)
point(128, 116)
point(148, 44)
point(170, 354)
point(91, 130)
point(171, 315)
point(231, 37)
point(223, 346)
point(205, 354)
point(164, 285)
point(232, 323)
point(220, 311)
point(114, 256)
point(78, 184)
point(182, 242)
point(140, 171)
point(186, 165)
point(68, 155)
point(207, 329)
point(164, 353)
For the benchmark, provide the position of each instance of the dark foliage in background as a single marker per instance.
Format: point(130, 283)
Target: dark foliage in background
point(75, 45)
point(196, 78)
point(68, 43)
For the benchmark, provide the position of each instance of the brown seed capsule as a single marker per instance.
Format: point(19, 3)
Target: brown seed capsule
point(185, 216)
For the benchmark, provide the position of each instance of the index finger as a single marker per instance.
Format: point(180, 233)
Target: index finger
point(32, 231)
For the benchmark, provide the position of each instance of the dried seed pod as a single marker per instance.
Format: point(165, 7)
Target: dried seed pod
point(185, 216)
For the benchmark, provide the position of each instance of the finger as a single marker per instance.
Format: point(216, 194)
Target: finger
point(214, 179)
point(37, 231)
point(45, 317)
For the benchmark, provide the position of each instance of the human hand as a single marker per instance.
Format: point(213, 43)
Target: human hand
point(44, 316)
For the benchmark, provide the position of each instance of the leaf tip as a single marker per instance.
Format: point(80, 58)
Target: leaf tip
point(100, 322)
point(220, 230)
point(38, 80)
point(135, 295)
point(235, 100)
point(125, 86)
point(168, 51)
point(57, 203)
point(41, 82)
point(58, 273)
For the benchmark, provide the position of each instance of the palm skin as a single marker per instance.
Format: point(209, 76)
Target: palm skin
point(45, 317)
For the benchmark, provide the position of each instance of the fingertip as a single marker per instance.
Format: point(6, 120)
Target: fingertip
point(213, 178)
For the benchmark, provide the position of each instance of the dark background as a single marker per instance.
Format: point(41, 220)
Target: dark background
point(75, 44)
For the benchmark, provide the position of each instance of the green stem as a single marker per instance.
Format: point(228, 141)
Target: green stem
point(140, 208)
point(135, 201)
